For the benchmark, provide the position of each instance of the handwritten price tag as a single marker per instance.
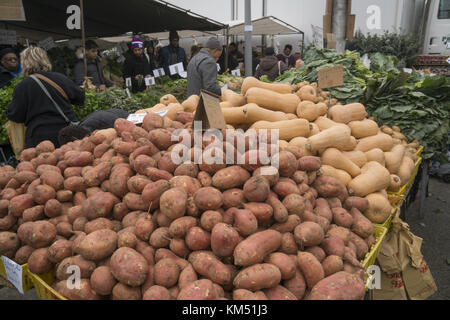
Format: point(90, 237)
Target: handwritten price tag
point(136, 118)
point(236, 72)
point(150, 81)
point(176, 68)
point(13, 273)
point(159, 72)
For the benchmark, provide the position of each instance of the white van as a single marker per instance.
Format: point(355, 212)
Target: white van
point(437, 37)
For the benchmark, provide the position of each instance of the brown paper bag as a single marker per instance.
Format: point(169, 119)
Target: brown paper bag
point(16, 134)
point(405, 274)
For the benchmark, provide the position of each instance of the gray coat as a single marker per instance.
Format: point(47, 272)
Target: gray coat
point(202, 74)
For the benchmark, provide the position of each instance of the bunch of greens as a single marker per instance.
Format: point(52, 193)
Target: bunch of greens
point(5, 99)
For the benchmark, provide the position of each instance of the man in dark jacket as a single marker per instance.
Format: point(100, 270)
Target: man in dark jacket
point(9, 66)
point(287, 57)
point(136, 66)
point(202, 69)
point(173, 54)
point(270, 66)
point(94, 68)
point(99, 120)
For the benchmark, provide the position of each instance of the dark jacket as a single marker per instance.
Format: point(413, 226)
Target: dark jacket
point(151, 60)
point(31, 106)
point(5, 77)
point(94, 71)
point(132, 67)
point(289, 61)
point(171, 55)
point(202, 74)
point(271, 67)
point(103, 119)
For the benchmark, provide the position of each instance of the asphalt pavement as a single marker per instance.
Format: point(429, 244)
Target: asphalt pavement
point(434, 229)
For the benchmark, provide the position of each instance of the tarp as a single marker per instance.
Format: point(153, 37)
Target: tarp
point(105, 18)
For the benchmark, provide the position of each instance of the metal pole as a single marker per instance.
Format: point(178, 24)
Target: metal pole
point(248, 38)
point(339, 23)
point(226, 48)
point(264, 13)
point(83, 37)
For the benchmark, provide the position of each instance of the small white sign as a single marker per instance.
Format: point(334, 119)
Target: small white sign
point(120, 59)
point(248, 28)
point(8, 37)
point(128, 92)
point(162, 113)
point(136, 118)
point(183, 74)
point(407, 70)
point(236, 72)
point(448, 60)
point(176, 68)
point(159, 72)
point(13, 273)
point(150, 81)
point(74, 43)
point(225, 87)
point(47, 44)
point(218, 67)
point(128, 82)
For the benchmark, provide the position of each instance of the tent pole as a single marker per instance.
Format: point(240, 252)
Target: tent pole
point(248, 27)
point(226, 48)
point(83, 37)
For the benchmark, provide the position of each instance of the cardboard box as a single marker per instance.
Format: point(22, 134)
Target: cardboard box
point(350, 27)
point(209, 111)
point(12, 10)
point(331, 41)
point(331, 77)
point(329, 7)
point(326, 24)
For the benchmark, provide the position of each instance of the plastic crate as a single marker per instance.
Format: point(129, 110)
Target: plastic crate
point(387, 224)
point(402, 190)
point(27, 281)
point(419, 151)
point(379, 233)
point(42, 284)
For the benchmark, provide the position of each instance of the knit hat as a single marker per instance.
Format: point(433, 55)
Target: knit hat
point(270, 51)
point(213, 43)
point(137, 42)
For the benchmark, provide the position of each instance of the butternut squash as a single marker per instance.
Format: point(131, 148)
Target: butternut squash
point(307, 93)
point(308, 110)
point(396, 141)
point(394, 158)
point(383, 193)
point(379, 208)
point(168, 99)
point(334, 157)
point(382, 141)
point(191, 103)
point(414, 144)
point(155, 108)
point(314, 129)
point(411, 154)
point(339, 174)
point(252, 82)
point(288, 129)
point(283, 144)
point(387, 130)
point(272, 100)
point(374, 177)
point(324, 123)
point(400, 136)
point(301, 142)
point(251, 113)
point(323, 108)
point(234, 98)
point(291, 116)
point(225, 105)
point(406, 169)
point(363, 128)
point(347, 113)
point(396, 128)
point(395, 184)
point(377, 155)
point(350, 146)
point(172, 110)
point(331, 137)
point(357, 157)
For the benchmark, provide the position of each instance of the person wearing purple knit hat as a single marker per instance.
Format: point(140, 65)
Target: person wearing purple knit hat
point(136, 66)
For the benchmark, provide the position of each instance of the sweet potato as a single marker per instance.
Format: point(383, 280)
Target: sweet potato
point(360, 244)
point(120, 210)
point(209, 219)
point(37, 234)
point(308, 234)
point(279, 293)
point(198, 239)
point(129, 267)
point(98, 245)
point(256, 247)
point(198, 290)
point(356, 202)
point(288, 244)
point(204, 178)
point(327, 187)
point(45, 146)
point(59, 250)
point(99, 205)
point(180, 226)
point(23, 177)
point(52, 208)
point(370, 240)
point(161, 138)
point(161, 219)
point(361, 225)
point(102, 280)
point(45, 158)
point(153, 191)
point(341, 232)
point(257, 277)
point(157, 293)
point(233, 198)
point(244, 221)
point(26, 166)
point(152, 121)
point(39, 261)
point(224, 239)
point(310, 268)
point(136, 184)
point(22, 255)
point(20, 203)
point(256, 189)
point(75, 212)
point(230, 177)
point(179, 247)
point(187, 169)
point(75, 184)
point(9, 244)
point(64, 229)
point(280, 212)
point(118, 179)
point(322, 208)
point(205, 263)
point(342, 218)
point(208, 198)
point(318, 252)
point(332, 264)
point(124, 292)
point(28, 154)
point(333, 245)
point(97, 224)
point(160, 238)
point(4, 204)
point(243, 294)
point(86, 267)
point(288, 226)
point(189, 184)
point(83, 292)
point(284, 188)
point(72, 172)
point(134, 201)
point(187, 276)
point(262, 211)
point(64, 195)
point(339, 286)
point(309, 163)
point(295, 204)
point(173, 203)
point(284, 263)
point(166, 272)
point(287, 163)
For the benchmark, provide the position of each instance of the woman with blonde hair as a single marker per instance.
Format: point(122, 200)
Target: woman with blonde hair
point(43, 99)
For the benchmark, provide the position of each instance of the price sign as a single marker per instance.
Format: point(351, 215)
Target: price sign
point(218, 67)
point(47, 44)
point(159, 72)
point(176, 68)
point(331, 77)
point(162, 113)
point(136, 118)
point(183, 74)
point(128, 92)
point(236, 72)
point(150, 81)
point(13, 273)
point(128, 82)
point(448, 60)
point(407, 70)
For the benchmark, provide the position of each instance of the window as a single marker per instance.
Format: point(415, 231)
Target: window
point(444, 9)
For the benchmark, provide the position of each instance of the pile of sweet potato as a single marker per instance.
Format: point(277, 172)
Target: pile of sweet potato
point(139, 226)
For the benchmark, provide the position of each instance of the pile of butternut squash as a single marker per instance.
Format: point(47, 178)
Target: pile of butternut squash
point(370, 160)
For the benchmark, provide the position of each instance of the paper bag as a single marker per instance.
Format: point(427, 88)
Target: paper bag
point(405, 274)
point(16, 134)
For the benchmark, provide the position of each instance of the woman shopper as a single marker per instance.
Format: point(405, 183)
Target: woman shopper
point(42, 100)
point(136, 66)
